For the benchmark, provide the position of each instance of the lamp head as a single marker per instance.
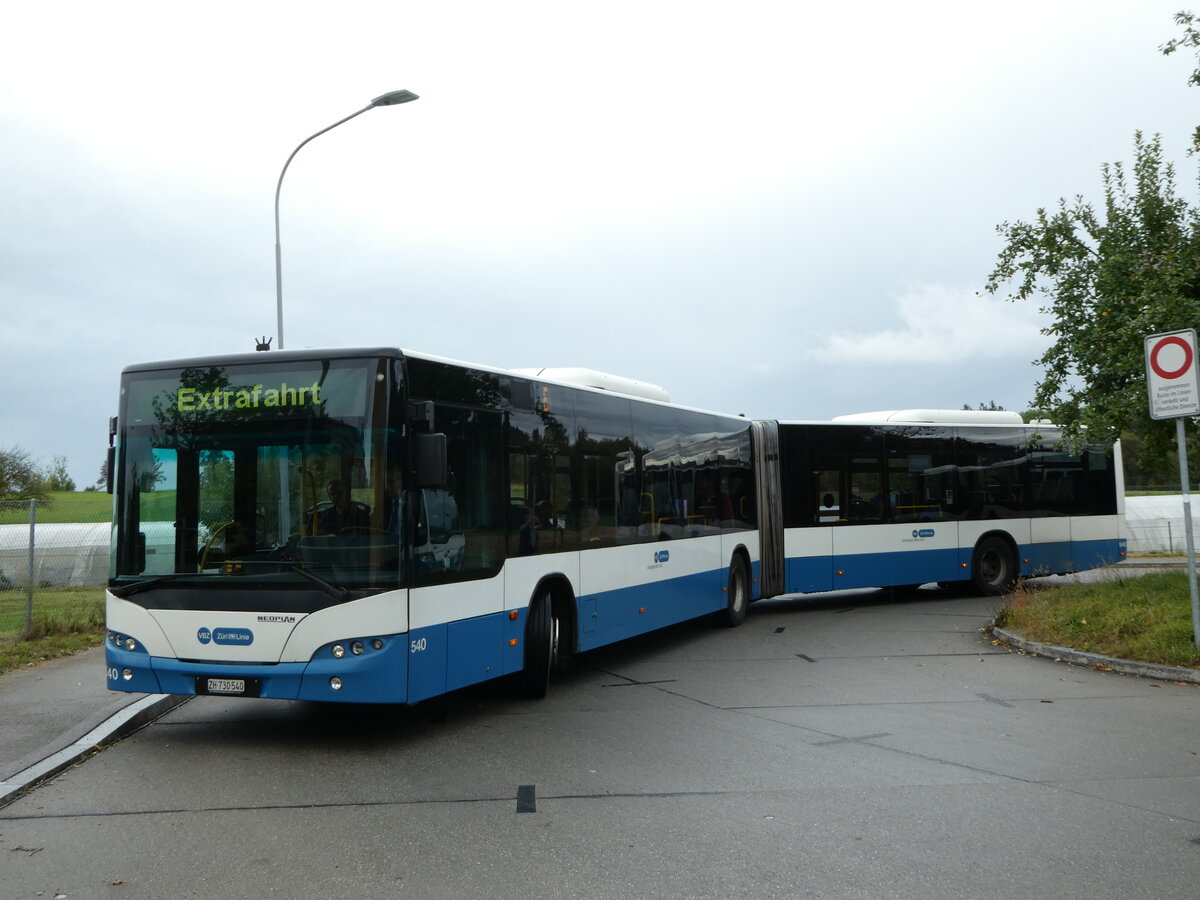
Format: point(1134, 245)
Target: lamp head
point(391, 98)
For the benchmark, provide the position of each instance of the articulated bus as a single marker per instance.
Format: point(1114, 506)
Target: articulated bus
point(382, 526)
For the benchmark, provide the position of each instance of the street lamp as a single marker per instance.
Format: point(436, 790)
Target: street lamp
point(389, 99)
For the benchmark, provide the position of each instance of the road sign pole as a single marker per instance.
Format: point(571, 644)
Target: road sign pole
point(1187, 527)
point(1173, 383)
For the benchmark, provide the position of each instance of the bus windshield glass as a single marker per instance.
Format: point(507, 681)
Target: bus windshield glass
point(258, 474)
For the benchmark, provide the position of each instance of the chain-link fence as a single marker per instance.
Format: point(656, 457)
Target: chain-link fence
point(1155, 522)
point(1165, 535)
point(53, 562)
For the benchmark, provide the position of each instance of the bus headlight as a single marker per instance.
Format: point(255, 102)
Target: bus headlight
point(338, 652)
point(123, 641)
point(335, 683)
point(357, 648)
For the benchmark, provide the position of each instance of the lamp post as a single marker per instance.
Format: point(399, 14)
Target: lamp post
point(389, 99)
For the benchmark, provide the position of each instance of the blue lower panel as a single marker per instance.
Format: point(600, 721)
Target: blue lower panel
point(377, 676)
point(617, 615)
point(1047, 559)
point(823, 573)
point(427, 662)
point(888, 569)
point(457, 654)
point(1070, 556)
point(860, 570)
point(1094, 554)
point(806, 574)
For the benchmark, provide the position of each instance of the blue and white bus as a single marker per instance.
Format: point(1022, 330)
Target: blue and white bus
point(903, 498)
point(383, 526)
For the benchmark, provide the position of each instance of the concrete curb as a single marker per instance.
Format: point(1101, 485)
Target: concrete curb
point(131, 718)
point(1095, 661)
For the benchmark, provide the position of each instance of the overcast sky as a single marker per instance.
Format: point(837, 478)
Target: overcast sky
point(782, 209)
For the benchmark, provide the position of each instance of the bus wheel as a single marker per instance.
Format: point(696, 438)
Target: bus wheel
point(737, 594)
point(541, 647)
point(993, 569)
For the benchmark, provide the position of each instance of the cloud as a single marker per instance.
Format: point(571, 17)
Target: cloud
point(942, 324)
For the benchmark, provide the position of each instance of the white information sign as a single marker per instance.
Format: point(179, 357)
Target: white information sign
point(1172, 374)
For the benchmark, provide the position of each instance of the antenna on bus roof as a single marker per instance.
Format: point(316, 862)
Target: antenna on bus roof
point(262, 343)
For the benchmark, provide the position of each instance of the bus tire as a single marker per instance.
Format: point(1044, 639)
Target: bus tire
point(737, 594)
point(993, 568)
point(541, 647)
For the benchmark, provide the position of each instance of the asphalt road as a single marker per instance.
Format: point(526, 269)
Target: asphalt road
point(841, 746)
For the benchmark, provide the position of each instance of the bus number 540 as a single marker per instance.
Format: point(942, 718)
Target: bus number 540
point(418, 645)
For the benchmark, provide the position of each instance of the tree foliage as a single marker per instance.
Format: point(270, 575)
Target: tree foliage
point(1190, 39)
point(1108, 277)
point(101, 479)
point(22, 479)
point(990, 406)
point(19, 476)
point(56, 477)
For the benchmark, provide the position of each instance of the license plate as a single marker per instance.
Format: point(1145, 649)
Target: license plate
point(226, 685)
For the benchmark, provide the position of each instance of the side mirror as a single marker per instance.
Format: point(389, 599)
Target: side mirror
point(111, 460)
point(429, 460)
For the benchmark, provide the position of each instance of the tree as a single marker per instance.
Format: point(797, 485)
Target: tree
point(56, 477)
point(1108, 278)
point(19, 477)
point(101, 480)
point(989, 406)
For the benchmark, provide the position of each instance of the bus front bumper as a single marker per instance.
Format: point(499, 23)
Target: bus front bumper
point(378, 675)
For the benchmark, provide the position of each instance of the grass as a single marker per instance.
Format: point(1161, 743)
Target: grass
point(61, 507)
point(65, 621)
point(1147, 618)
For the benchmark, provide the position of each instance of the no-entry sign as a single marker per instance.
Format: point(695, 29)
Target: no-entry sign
point(1171, 374)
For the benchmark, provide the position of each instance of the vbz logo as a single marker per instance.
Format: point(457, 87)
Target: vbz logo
point(661, 556)
point(922, 532)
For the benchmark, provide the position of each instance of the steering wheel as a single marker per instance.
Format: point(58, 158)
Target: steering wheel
point(212, 539)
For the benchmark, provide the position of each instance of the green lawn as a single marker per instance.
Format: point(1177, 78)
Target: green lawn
point(62, 506)
point(1145, 618)
point(65, 620)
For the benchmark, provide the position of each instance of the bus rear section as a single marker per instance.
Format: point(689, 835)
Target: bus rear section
point(877, 501)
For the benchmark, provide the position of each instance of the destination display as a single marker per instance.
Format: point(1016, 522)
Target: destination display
point(333, 388)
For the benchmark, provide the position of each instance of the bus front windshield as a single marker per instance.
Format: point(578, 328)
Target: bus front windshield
point(271, 474)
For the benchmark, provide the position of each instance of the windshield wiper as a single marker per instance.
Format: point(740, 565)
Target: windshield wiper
point(128, 590)
point(339, 594)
